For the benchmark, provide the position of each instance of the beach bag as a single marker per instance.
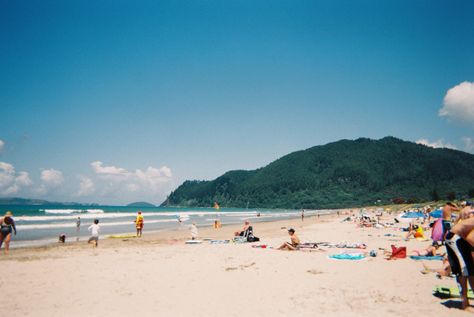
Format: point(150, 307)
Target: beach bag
point(398, 253)
point(252, 238)
point(437, 231)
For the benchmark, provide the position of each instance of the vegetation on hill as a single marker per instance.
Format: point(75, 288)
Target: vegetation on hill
point(340, 174)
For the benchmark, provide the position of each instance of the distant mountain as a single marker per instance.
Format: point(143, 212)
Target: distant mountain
point(345, 173)
point(141, 204)
point(37, 202)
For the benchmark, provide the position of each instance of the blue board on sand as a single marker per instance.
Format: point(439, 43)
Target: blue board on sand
point(424, 257)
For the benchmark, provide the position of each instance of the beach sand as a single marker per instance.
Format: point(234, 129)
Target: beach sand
point(159, 275)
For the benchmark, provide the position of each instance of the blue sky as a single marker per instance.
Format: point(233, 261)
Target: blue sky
point(118, 101)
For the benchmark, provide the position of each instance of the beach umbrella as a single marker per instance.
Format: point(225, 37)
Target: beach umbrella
point(413, 214)
point(436, 213)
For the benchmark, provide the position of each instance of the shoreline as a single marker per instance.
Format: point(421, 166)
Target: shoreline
point(167, 234)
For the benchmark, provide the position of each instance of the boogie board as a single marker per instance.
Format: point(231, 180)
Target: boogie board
point(193, 242)
point(123, 236)
point(450, 292)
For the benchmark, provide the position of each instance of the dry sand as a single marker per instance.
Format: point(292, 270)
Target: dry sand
point(159, 275)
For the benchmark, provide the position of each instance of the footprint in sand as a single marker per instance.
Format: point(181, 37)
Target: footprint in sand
point(315, 272)
point(242, 267)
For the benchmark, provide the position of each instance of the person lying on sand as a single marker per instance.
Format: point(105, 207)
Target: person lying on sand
point(293, 245)
point(443, 271)
point(429, 251)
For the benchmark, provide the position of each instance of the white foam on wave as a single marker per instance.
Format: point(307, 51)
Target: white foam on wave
point(69, 215)
point(73, 225)
point(72, 211)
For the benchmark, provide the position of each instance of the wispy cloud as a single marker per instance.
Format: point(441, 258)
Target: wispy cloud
point(436, 144)
point(459, 103)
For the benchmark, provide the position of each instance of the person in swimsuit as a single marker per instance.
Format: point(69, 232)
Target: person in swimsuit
point(7, 226)
point(447, 216)
point(459, 246)
point(429, 251)
point(139, 221)
point(293, 245)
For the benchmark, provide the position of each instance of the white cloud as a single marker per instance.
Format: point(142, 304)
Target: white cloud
point(468, 144)
point(459, 102)
point(2, 145)
point(108, 170)
point(119, 182)
point(86, 186)
point(52, 177)
point(436, 144)
point(12, 182)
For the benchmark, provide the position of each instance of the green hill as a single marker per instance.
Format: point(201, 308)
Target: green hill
point(340, 174)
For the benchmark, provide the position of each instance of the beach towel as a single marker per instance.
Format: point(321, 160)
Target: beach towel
point(450, 292)
point(398, 253)
point(437, 232)
point(219, 241)
point(424, 257)
point(346, 245)
point(347, 256)
point(307, 245)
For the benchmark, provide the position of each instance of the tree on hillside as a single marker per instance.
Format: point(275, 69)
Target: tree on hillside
point(451, 196)
point(435, 195)
point(471, 193)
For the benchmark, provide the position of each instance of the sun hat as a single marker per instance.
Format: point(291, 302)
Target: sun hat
point(8, 214)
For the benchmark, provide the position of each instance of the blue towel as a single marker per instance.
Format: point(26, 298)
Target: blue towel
point(347, 256)
point(424, 257)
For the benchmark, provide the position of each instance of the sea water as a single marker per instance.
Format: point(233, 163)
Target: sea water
point(41, 225)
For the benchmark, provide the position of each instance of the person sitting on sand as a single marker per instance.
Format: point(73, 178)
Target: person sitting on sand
point(245, 230)
point(415, 231)
point(293, 245)
point(429, 251)
point(95, 231)
point(7, 226)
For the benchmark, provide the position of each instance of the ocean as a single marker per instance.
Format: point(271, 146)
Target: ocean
point(42, 225)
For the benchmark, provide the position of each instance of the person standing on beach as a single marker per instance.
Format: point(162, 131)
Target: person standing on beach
point(447, 216)
point(95, 231)
point(78, 228)
point(302, 215)
point(194, 232)
point(139, 222)
point(459, 245)
point(7, 226)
